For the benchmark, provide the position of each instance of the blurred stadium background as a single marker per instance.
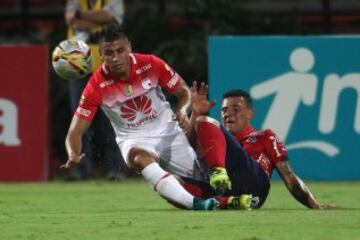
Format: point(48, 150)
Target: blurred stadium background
point(176, 30)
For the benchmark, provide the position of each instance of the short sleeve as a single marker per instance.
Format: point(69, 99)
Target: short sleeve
point(168, 78)
point(89, 102)
point(274, 147)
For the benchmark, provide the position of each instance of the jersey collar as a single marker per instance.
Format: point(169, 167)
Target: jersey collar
point(242, 134)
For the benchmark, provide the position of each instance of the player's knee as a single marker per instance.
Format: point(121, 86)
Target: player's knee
point(202, 119)
point(139, 159)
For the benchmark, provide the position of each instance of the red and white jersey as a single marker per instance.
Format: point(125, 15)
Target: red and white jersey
point(264, 147)
point(137, 105)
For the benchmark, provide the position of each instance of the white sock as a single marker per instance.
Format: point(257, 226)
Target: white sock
point(167, 185)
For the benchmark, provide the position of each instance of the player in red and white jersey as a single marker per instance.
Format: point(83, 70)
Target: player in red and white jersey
point(128, 87)
point(134, 104)
point(248, 155)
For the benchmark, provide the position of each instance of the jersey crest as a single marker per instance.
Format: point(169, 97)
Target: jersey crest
point(128, 90)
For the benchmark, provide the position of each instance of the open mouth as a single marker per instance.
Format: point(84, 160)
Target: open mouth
point(229, 121)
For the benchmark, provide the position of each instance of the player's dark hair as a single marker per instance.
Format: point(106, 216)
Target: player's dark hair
point(239, 93)
point(112, 32)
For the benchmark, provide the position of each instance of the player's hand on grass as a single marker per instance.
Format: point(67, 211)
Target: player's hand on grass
point(329, 206)
point(73, 161)
point(325, 207)
point(200, 105)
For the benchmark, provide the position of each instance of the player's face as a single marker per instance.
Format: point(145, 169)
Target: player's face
point(116, 55)
point(236, 115)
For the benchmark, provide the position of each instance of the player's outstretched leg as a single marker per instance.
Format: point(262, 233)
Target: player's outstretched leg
point(171, 189)
point(207, 204)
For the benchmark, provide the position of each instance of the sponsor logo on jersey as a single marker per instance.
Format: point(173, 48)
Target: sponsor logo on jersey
point(146, 83)
point(138, 111)
point(83, 112)
point(143, 69)
point(173, 81)
point(153, 115)
point(106, 83)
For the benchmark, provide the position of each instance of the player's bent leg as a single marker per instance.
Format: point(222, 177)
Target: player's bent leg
point(245, 174)
point(165, 183)
point(212, 144)
point(197, 188)
point(202, 192)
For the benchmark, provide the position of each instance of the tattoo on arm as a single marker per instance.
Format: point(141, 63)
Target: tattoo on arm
point(301, 192)
point(285, 169)
point(295, 185)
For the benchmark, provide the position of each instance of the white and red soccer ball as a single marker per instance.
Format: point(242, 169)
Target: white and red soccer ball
point(72, 59)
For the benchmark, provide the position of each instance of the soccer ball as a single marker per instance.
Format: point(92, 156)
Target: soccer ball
point(72, 59)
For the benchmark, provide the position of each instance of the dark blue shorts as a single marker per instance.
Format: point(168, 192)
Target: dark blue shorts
point(245, 174)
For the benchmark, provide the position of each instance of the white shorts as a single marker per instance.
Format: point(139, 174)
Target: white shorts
point(172, 148)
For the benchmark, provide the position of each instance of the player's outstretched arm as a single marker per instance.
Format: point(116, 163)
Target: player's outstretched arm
point(200, 105)
point(73, 141)
point(79, 24)
point(297, 187)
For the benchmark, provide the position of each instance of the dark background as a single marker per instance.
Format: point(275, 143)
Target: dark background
point(175, 30)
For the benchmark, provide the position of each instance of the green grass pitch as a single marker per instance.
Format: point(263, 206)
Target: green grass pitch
point(98, 210)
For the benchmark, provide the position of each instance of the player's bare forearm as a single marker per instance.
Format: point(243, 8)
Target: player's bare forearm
point(296, 186)
point(191, 135)
point(73, 144)
point(100, 17)
point(183, 107)
point(301, 193)
point(87, 20)
point(80, 24)
point(184, 99)
point(73, 141)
